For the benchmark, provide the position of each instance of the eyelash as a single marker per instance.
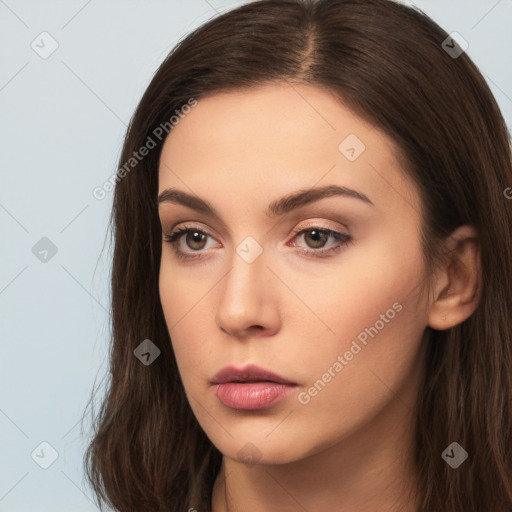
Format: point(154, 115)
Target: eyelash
point(341, 238)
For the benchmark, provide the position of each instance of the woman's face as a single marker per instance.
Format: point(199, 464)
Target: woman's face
point(326, 290)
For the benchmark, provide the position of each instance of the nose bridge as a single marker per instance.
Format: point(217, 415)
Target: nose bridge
point(247, 299)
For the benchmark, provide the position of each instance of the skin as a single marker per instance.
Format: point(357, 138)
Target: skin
point(350, 447)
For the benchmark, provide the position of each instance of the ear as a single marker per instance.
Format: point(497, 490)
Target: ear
point(457, 286)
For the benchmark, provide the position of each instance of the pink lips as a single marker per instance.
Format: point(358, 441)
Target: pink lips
point(251, 387)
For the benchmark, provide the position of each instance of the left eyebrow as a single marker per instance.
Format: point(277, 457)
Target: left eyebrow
point(278, 207)
point(303, 197)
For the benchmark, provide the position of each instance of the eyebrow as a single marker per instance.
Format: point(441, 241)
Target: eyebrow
point(276, 208)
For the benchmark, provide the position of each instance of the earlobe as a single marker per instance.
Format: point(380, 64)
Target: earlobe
point(458, 282)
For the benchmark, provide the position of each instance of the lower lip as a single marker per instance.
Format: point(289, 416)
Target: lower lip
point(252, 396)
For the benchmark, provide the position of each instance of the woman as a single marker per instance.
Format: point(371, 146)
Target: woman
point(311, 288)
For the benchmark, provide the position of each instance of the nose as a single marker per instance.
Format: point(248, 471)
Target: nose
point(248, 305)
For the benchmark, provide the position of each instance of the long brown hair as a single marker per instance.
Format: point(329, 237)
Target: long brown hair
point(386, 62)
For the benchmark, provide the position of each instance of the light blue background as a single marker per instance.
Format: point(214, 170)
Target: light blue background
point(62, 122)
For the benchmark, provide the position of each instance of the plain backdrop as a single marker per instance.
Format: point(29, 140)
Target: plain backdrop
point(62, 121)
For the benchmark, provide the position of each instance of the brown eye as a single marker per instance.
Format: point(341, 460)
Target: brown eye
point(320, 242)
point(195, 240)
point(189, 243)
point(315, 238)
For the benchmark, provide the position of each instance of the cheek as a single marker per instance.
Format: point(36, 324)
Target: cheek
point(184, 303)
point(371, 312)
point(358, 374)
point(180, 291)
point(352, 294)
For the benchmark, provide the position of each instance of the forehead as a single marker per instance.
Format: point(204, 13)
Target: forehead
point(274, 138)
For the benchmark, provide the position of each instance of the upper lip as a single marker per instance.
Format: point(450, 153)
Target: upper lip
point(249, 373)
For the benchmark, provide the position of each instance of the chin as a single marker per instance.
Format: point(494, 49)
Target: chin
point(253, 446)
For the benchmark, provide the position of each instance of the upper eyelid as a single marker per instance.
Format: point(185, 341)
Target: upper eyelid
point(314, 208)
point(313, 223)
point(183, 229)
point(341, 239)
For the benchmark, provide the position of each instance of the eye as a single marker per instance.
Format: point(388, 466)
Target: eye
point(195, 240)
point(316, 239)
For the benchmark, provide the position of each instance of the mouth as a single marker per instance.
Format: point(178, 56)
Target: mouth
point(250, 387)
point(248, 374)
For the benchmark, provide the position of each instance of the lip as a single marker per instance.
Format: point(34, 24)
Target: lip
point(249, 373)
point(250, 387)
